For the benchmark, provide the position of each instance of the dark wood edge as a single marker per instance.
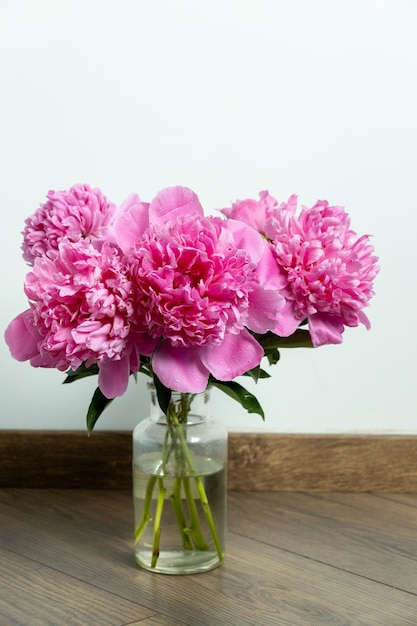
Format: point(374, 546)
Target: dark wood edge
point(257, 462)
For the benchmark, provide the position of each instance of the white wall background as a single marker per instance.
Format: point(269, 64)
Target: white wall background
point(228, 97)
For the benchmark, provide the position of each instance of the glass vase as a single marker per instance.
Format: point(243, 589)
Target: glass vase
point(180, 486)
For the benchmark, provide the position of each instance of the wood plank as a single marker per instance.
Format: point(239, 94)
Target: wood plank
point(87, 535)
point(257, 462)
point(323, 463)
point(65, 459)
point(157, 620)
point(362, 533)
point(38, 595)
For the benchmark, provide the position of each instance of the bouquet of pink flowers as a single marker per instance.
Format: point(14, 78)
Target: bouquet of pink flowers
point(158, 287)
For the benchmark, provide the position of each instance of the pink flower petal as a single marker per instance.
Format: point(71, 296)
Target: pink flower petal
point(325, 330)
point(364, 319)
point(268, 272)
point(21, 337)
point(173, 202)
point(113, 377)
point(248, 239)
point(51, 360)
point(288, 322)
point(131, 200)
point(180, 368)
point(253, 212)
point(264, 309)
point(236, 355)
point(144, 343)
point(131, 223)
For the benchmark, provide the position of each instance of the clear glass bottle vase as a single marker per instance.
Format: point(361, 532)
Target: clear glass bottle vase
point(180, 486)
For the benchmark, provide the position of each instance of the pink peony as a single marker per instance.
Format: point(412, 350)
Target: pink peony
point(75, 214)
point(81, 307)
point(196, 290)
point(329, 270)
point(253, 212)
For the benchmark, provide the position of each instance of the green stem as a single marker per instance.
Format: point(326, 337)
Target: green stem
point(209, 515)
point(186, 452)
point(191, 534)
point(201, 491)
point(166, 452)
point(179, 514)
point(157, 522)
point(146, 513)
point(195, 531)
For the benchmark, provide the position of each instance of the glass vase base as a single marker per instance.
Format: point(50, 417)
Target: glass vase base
point(179, 562)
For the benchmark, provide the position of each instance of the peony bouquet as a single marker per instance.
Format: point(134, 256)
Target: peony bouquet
point(160, 287)
point(190, 300)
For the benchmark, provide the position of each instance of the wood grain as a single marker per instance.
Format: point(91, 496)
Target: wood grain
point(158, 620)
point(338, 529)
point(257, 462)
point(268, 578)
point(323, 463)
point(65, 459)
point(36, 595)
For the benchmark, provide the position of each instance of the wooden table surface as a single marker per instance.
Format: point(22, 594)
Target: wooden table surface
point(66, 559)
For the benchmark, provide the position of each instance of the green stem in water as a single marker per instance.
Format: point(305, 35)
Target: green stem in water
point(146, 513)
point(189, 535)
point(201, 491)
point(209, 515)
point(179, 514)
point(195, 531)
point(157, 522)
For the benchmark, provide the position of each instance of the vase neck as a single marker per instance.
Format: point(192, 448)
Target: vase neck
point(183, 407)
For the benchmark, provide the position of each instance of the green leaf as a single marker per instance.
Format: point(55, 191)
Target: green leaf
point(145, 366)
point(97, 405)
point(299, 339)
point(163, 394)
point(80, 372)
point(256, 373)
point(240, 394)
point(273, 356)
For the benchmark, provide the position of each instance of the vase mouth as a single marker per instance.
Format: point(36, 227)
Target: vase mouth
point(192, 420)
